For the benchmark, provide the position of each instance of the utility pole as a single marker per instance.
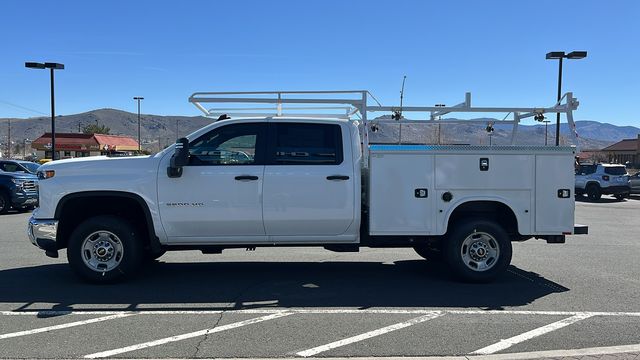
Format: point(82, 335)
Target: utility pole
point(138, 98)
point(439, 118)
point(9, 140)
point(546, 122)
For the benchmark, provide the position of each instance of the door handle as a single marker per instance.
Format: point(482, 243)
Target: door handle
point(246, 177)
point(337, 177)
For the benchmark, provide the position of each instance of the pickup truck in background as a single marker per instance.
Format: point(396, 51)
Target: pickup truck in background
point(18, 190)
point(304, 180)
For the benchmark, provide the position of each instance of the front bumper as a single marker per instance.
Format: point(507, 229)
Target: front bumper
point(42, 234)
point(20, 200)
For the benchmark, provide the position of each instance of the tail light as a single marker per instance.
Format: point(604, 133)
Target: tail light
point(605, 177)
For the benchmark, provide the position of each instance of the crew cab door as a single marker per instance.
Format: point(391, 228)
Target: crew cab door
point(309, 183)
point(218, 198)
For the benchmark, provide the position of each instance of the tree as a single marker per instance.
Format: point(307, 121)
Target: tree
point(96, 129)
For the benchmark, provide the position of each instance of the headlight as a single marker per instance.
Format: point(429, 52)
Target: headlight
point(18, 182)
point(46, 174)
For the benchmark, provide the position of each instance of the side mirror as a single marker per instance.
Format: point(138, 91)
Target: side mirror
point(179, 159)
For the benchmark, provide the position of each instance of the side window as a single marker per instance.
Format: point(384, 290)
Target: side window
point(306, 144)
point(236, 144)
point(587, 169)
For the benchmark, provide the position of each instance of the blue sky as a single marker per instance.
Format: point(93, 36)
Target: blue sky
point(164, 51)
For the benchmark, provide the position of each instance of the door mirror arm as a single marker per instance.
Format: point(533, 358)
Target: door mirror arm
point(179, 159)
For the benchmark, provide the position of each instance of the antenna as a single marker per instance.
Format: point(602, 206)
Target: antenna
point(402, 92)
point(397, 115)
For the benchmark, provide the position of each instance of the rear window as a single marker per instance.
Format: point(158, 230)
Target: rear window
point(307, 144)
point(615, 170)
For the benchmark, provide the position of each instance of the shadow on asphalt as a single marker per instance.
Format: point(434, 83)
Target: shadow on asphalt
point(246, 285)
point(602, 200)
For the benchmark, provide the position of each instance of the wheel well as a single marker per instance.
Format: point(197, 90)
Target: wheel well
point(73, 209)
point(490, 210)
point(592, 183)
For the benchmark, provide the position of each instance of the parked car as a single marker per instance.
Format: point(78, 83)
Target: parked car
point(18, 190)
point(602, 179)
point(19, 165)
point(634, 183)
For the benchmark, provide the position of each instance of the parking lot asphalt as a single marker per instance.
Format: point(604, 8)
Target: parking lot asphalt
point(307, 302)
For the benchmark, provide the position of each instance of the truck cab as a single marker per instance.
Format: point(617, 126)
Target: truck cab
point(260, 181)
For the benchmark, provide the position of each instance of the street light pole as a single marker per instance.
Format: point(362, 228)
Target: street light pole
point(138, 98)
point(560, 55)
point(53, 116)
point(52, 67)
point(558, 99)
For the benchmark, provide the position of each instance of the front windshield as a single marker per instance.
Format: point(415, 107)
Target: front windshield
point(31, 167)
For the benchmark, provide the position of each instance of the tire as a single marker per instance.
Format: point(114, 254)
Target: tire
point(5, 202)
point(478, 250)
point(620, 197)
point(593, 192)
point(429, 253)
point(112, 236)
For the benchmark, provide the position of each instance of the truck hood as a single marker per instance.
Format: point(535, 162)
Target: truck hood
point(99, 163)
point(18, 175)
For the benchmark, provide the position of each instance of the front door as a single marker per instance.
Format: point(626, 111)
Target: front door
point(309, 182)
point(218, 198)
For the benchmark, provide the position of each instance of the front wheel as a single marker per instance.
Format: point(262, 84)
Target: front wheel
point(104, 249)
point(478, 250)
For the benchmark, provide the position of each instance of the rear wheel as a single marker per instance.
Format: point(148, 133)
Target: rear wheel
point(593, 192)
point(621, 196)
point(478, 250)
point(104, 249)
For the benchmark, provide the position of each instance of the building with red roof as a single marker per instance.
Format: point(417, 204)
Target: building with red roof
point(70, 145)
point(627, 150)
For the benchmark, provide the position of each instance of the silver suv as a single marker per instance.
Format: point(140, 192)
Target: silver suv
point(602, 179)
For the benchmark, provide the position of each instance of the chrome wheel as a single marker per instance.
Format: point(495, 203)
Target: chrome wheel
point(102, 251)
point(480, 251)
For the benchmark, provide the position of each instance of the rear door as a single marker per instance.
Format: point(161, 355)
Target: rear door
point(308, 181)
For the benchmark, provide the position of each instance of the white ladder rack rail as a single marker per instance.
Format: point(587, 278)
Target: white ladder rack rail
point(352, 105)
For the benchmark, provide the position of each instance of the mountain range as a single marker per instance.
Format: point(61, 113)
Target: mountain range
point(159, 131)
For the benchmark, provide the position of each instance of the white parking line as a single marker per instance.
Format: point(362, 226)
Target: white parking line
point(185, 336)
point(370, 334)
point(507, 343)
point(63, 326)
point(317, 311)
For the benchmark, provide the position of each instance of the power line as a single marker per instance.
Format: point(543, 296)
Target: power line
point(22, 107)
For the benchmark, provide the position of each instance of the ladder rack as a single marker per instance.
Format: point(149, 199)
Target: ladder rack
point(353, 105)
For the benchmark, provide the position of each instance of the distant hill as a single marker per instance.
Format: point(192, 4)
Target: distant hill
point(592, 134)
point(159, 131)
point(155, 130)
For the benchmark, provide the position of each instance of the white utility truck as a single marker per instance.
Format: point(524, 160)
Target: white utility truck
point(295, 178)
